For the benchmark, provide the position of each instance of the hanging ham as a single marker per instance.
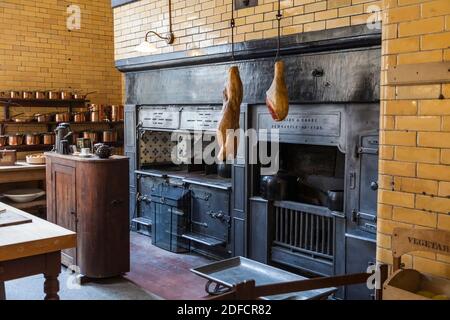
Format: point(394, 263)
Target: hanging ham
point(277, 99)
point(232, 99)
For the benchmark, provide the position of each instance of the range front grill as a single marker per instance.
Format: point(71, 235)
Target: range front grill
point(304, 229)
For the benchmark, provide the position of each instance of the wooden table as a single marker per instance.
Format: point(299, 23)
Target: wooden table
point(33, 248)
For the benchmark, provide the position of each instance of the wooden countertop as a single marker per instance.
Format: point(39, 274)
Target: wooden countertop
point(22, 166)
point(76, 158)
point(34, 238)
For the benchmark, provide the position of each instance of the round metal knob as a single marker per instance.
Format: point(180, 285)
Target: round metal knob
point(374, 185)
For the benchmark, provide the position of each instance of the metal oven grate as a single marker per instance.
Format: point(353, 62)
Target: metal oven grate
point(304, 229)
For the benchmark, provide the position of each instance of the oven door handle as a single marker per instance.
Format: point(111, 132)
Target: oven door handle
point(201, 224)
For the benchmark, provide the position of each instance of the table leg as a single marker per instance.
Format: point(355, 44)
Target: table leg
point(2, 291)
point(51, 287)
point(53, 268)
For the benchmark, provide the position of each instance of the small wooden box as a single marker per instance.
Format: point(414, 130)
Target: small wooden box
point(405, 283)
point(8, 157)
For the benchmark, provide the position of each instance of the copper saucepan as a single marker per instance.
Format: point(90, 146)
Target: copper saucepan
point(66, 95)
point(81, 96)
point(48, 138)
point(62, 117)
point(28, 95)
point(20, 118)
point(53, 95)
point(40, 95)
point(44, 117)
point(32, 139)
point(3, 141)
point(15, 140)
point(91, 135)
point(79, 116)
point(109, 136)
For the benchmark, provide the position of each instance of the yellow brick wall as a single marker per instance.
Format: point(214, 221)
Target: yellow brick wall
point(204, 23)
point(415, 130)
point(38, 52)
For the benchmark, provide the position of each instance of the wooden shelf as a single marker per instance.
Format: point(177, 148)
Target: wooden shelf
point(44, 102)
point(56, 123)
point(25, 148)
point(26, 205)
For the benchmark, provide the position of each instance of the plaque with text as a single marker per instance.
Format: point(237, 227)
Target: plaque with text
point(160, 118)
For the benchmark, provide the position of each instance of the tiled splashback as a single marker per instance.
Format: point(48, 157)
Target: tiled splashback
point(157, 146)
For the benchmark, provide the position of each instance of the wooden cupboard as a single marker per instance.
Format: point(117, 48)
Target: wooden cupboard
point(90, 196)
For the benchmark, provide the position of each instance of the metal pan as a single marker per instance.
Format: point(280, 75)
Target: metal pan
point(232, 271)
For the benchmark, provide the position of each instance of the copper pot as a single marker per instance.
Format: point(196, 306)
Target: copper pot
point(49, 138)
point(66, 95)
point(115, 113)
point(95, 112)
point(3, 141)
point(54, 95)
point(40, 95)
point(109, 136)
point(22, 118)
point(91, 135)
point(15, 95)
point(15, 140)
point(79, 117)
point(62, 117)
point(81, 96)
point(44, 117)
point(28, 95)
point(33, 139)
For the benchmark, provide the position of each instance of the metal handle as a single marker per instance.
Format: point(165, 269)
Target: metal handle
point(374, 185)
point(116, 203)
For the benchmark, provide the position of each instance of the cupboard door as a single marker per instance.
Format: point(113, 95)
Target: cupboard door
point(64, 205)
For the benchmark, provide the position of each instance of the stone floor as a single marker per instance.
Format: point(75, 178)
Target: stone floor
point(155, 274)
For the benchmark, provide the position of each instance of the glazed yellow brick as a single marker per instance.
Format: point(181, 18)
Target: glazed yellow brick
point(401, 138)
point(337, 23)
point(418, 123)
point(254, 18)
point(384, 255)
point(303, 18)
point(446, 123)
point(314, 26)
point(397, 168)
point(300, 2)
point(385, 182)
point(416, 217)
point(444, 222)
point(431, 266)
point(435, 204)
point(292, 30)
point(423, 26)
point(447, 54)
point(442, 258)
point(325, 15)
point(436, 8)
point(387, 122)
point(384, 211)
point(384, 241)
point(360, 19)
point(386, 152)
point(446, 90)
point(436, 41)
point(445, 156)
point(389, 31)
point(400, 14)
point(294, 11)
point(419, 186)
point(433, 171)
point(444, 189)
point(402, 45)
point(253, 36)
point(314, 7)
point(387, 226)
point(396, 198)
point(401, 107)
point(434, 139)
point(434, 107)
point(431, 91)
point(263, 26)
point(338, 3)
point(414, 154)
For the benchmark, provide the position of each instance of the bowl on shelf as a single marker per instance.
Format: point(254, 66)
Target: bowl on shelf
point(23, 195)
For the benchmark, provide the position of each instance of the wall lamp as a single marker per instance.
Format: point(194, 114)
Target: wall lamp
point(147, 46)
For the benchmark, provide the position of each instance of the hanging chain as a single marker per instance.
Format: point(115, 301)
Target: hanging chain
point(233, 25)
point(279, 16)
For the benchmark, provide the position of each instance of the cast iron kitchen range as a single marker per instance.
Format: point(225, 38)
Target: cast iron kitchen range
point(317, 214)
